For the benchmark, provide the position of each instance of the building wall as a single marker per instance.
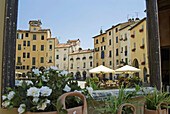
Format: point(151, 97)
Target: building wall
point(139, 54)
point(47, 54)
point(78, 65)
point(63, 61)
point(125, 47)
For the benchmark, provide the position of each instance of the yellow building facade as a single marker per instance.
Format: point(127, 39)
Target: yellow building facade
point(139, 48)
point(34, 48)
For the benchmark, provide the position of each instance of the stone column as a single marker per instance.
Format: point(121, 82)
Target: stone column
point(154, 44)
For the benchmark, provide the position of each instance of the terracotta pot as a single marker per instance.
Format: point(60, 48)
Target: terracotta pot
point(55, 112)
point(126, 104)
point(75, 110)
point(159, 111)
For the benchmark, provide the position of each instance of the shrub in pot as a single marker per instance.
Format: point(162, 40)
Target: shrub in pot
point(41, 94)
point(156, 102)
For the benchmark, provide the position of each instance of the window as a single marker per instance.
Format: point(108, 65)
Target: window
point(97, 64)
point(125, 35)
point(34, 29)
point(42, 37)
point(91, 64)
point(144, 57)
point(117, 52)
point(26, 35)
point(102, 54)
point(71, 65)
point(27, 67)
point(101, 47)
point(50, 59)
point(24, 43)
point(134, 45)
point(143, 27)
point(110, 42)
point(110, 53)
point(97, 41)
point(33, 60)
point(23, 67)
point(19, 46)
point(34, 48)
point(103, 63)
point(122, 50)
point(28, 55)
point(42, 47)
point(50, 41)
point(24, 55)
point(19, 60)
point(117, 62)
point(57, 56)
point(34, 37)
point(134, 33)
point(64, 57)
point(143, 41)
point(28, 43)
point(109, 33)
point(19, 36)
point(103, 39)
point(42, 59)
point(50, 47)
point(84, 65)
point(117, 39)
point(104, 47)
point(126, 60)
point(65, 49)
point(110, 63)
point(116, 30)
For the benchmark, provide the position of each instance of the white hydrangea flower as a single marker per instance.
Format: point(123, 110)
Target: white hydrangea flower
point(11, 95)
point(90, 89)
point(42, 107)
point(4, 97)
point(33, 91)
point(29, 82)
point(48, 101)
point(45, 79)
point(53, 68)
point(5, 104)
point(67, 88)
point(20, 83)
point(63, 72)
point(35, 99)
point(36, 71)
point(78, 91)
point(45, 91)
point(21, 108)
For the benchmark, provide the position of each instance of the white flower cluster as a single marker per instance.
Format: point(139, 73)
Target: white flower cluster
point(53, 68)
point(28, 82)
point(21, 108)
point(7, 98)
point(36, 92)
point(90, 89)
point(36, 71)
point(44, 105)
point(67, 88)
point(45, 79)
point(63, 73)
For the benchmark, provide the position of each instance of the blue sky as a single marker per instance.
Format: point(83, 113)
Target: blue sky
point(78, 19)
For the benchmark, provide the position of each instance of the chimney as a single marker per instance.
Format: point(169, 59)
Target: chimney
point(101, 31)
point(132, 19)
point(129, 20)
point(137, 19)
point(80, 49)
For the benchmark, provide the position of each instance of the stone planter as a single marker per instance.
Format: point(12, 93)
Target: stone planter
point(75, 110)
point(159, 111)
point(55, 112)
point(126, 104)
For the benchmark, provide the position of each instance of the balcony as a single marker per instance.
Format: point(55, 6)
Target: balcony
point(143, 63)
point(141, 30)
point(142, 47)
point(133, 50)
point(125, 39)
point(132, 36)
point(121, 39)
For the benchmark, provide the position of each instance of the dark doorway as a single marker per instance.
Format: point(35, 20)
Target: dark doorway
point(136, 64)
point(145, 74)
point(84, 75)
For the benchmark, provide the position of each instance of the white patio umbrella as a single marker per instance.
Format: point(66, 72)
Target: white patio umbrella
point(127, 70)
point(101, 70)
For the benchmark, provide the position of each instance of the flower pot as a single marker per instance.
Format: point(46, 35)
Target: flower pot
point(54, 112)
point(159, 111)
point(126, 104)
point(75, 110)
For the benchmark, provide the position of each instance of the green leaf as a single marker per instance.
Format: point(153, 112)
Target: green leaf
point(40, 84)
point(10, 107)
point(8, 88)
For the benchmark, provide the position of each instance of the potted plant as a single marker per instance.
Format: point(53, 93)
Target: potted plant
point(154, 102)
point(41, 94)
point(119, 104)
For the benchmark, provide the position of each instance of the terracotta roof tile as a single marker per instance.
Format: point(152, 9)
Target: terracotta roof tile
point(82, 51)
point(62, 45)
